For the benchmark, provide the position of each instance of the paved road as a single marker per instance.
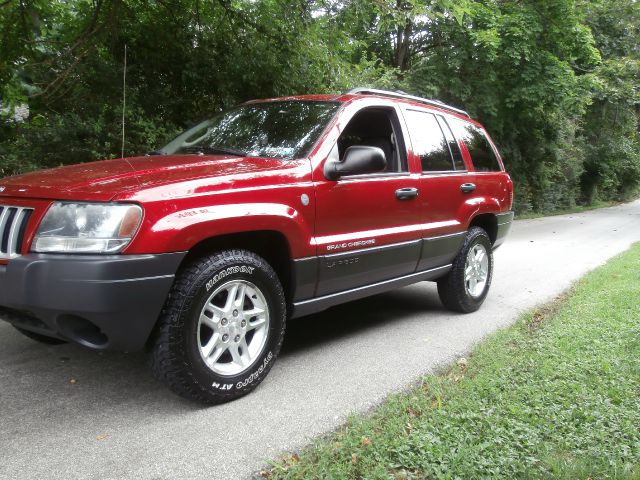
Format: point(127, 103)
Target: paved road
point(116, 422)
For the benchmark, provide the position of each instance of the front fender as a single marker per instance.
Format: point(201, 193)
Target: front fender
point(182, 229)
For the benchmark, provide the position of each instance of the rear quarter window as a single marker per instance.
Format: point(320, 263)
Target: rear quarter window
point(482, 154)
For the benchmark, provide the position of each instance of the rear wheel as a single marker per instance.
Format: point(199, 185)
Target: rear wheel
point(39, 337)
point(465, 287)
point(221, 329)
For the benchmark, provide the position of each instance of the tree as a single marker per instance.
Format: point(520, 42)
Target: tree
point(555, 82)
point(611, 142)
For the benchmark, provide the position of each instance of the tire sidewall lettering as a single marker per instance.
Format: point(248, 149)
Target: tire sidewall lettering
point(226, 272)
point(256, 374)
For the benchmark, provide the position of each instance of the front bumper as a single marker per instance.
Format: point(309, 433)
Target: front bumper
point(97, 301)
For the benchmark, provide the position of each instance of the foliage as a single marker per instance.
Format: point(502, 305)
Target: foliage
point(521, 84)
point(556, 83)
point(610, 139)
point(551, 397)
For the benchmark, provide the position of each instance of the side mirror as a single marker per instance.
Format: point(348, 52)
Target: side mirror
point(358, 159)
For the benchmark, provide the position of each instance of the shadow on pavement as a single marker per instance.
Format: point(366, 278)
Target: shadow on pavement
point(359, 315)
point(38, 378)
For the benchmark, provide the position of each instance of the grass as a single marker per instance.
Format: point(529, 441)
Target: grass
point(557, 395)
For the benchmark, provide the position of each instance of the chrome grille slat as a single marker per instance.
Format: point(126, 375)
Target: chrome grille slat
point(12, 223)
point(15, 228)
point(3, 222)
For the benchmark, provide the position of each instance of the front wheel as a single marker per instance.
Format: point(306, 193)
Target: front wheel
point(465, 287)
point(221, 328)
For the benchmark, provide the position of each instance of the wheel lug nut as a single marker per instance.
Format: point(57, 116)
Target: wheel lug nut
point(225, 337)
point(223, 321)
point(235, 313)
point(237, 339)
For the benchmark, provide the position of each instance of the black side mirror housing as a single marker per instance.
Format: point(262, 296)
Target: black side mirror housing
point(358, 159)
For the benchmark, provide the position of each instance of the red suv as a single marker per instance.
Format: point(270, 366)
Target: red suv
point(272, 210)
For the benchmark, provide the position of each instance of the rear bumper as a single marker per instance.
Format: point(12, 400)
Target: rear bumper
point(505, 220)
point(97, 301)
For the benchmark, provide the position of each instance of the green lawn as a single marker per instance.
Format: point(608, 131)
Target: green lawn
point(555, 396)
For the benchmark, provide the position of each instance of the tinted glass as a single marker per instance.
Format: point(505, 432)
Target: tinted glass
point(483, 157)
point(272, 129)
point(429, 141)
point(458, 161)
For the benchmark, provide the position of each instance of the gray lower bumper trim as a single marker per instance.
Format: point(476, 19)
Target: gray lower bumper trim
point(110, 301)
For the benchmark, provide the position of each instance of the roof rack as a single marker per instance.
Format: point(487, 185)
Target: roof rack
point(406, 96)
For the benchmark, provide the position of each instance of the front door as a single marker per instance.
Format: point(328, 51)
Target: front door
point(367, 226)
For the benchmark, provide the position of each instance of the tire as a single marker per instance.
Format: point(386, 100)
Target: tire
point(39, 337)
point(462, 295)
point(227, 354)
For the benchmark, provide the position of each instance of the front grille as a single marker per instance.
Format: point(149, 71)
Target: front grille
point(13, 223)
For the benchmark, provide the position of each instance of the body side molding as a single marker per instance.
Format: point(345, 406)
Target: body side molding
point(315, 305)
point(312, 278)
point(440, 250)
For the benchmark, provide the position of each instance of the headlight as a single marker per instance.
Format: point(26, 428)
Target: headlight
point(87, 228)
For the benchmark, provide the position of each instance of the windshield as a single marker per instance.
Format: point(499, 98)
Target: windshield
point(282, 129)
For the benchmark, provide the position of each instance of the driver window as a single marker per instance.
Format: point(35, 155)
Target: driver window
point(375, 127)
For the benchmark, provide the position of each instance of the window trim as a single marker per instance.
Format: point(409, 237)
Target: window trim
point(448, 172)
point(375, 175)
point(443, 120)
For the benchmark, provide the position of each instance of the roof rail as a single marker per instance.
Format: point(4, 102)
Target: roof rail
point(406, 96)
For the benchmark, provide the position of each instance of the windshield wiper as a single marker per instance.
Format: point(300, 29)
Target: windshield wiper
point(215, 149)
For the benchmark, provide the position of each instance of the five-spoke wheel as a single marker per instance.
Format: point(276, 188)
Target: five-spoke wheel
point(233, 327)
point(476, 270)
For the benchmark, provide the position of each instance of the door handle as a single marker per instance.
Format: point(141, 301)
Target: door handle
point(467, 187)
point(406, 193)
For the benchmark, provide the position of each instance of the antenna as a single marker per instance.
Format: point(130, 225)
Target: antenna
point(124, 94)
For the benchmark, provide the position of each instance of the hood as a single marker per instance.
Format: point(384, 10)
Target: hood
point(103, 180)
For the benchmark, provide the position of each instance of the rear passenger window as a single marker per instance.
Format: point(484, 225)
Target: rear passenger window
point(429, 143)
point(482, 155)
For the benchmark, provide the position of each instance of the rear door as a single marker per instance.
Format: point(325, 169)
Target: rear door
point(445, 185)
point(490, 178)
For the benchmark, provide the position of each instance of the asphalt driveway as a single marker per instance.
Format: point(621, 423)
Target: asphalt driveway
point(67, 413)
